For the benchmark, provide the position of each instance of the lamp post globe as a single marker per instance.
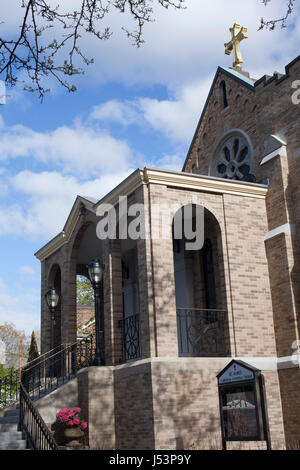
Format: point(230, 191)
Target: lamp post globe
point(95, 270)
point(52, 298)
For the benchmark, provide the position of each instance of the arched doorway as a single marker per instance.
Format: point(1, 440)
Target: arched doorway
point(85, 306)
point(87, 246)
point(200, 290)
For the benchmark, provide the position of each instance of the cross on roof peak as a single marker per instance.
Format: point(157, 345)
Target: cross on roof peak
point(238, 33)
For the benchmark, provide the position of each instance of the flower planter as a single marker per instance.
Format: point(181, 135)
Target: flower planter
point(63, 434)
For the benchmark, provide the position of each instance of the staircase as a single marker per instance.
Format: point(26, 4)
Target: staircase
point(25, 386)
point(10, 437)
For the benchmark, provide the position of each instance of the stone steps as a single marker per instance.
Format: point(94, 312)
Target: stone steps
point(10, 437)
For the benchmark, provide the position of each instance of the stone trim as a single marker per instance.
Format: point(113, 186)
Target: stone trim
point(280, 152)
point(211, 363)
point(148, 176)
point(288, 229)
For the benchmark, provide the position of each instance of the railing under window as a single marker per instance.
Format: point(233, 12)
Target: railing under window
point(202, 333)
point(130, 326)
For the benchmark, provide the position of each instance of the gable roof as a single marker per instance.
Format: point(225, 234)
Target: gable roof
point(144, 177)
point(242, 80)
point(233, 74)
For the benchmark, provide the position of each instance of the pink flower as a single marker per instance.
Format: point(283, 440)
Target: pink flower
point(64, 418)
point(61, 412)
point(76, 421)
point(83, 425)
point(77, 410)
point(71, 413)
point(70, 423)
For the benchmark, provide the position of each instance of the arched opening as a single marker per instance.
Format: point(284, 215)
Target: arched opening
point(54, 280)
point(85, 306)
point(200, 291)
point(81, 308)
point(224, 94)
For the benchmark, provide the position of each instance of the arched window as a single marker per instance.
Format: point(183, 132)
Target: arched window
point(198, 273)
point(233, 157)
point(224, 94)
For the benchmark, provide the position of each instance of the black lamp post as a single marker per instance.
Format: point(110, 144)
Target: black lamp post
point(95, 269)
point(52, 299)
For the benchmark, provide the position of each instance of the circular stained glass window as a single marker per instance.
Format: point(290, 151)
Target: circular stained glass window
point(233, 158)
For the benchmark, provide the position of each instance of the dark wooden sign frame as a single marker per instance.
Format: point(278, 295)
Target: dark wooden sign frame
point(256, 383)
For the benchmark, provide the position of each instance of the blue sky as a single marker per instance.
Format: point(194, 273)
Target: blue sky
point(133, 108)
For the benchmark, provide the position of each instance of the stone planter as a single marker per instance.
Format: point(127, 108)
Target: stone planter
point(64, 434)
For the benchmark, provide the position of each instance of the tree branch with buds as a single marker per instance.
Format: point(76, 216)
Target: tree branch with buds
point(39, 55)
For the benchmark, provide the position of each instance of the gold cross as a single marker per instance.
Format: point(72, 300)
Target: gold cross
point(238, 34)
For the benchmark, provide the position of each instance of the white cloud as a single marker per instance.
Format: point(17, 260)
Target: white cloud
point(167, 162)
point(175, 117)
point(80, 149)
point(179, 45)
point(182, 45)
point(20, 308)
point(114, 110)
point(26, 271)
point(48, 198)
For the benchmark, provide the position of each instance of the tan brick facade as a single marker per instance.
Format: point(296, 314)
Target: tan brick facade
point(163, 400)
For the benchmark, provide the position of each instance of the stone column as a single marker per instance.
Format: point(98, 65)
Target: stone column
point(45, 314)
point(144, 260)
point(165, 320)
point(68, 300)
point(113, 304)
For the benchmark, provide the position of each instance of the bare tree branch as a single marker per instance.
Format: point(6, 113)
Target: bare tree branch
point(271, 24)
point(33, 53)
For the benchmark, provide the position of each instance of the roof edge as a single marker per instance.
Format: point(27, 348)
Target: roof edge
point(265, 80)
point(147, 176)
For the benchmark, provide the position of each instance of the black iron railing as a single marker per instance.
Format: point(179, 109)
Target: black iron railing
point(36, 379)
point(54, 370)
point(130, 326)
point(202, 332)
point(10, 383)
point(9, 389)
point(50, 372)
point(31, 423)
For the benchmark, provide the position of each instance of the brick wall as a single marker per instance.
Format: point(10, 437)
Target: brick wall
point(260, 113)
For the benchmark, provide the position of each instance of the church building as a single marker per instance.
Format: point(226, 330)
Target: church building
point(182, 321)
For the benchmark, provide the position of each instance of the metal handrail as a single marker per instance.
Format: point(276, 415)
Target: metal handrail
point(9, 384)
point(41, 358)
point(48, 374)
point(58, 368)
point(9, 388)
point(38, 435)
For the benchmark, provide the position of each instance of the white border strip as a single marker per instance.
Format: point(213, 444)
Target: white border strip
point(281, 152)
point(288, 229)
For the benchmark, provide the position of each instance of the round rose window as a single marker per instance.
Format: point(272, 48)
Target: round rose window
point(233, 158)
